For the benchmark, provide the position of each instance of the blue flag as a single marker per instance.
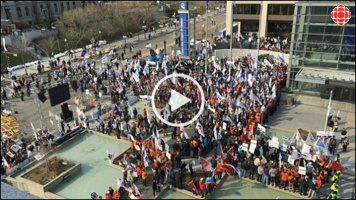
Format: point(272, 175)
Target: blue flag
point(287, 139)
point(207, 3)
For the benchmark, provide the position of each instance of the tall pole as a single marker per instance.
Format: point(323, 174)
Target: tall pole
point(327, 113)
point(206, 39)
point(232, 23)
point(258, 37)
point(195, 50)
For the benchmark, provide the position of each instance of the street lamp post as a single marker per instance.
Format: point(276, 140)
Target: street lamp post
point(263, 109)
point(65, 44)
point(5, 50)
point(206, 40)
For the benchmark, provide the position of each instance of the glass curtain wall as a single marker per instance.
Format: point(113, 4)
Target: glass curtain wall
point(321, 43)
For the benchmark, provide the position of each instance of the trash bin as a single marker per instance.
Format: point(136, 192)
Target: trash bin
point(290, 100)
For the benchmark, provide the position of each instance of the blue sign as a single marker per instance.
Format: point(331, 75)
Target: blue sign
point(184, 29)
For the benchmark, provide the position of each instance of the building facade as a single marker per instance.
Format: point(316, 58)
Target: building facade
point(33, 12)
point(323, 52)
point(269, 18)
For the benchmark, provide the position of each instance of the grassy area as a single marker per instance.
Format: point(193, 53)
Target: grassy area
point(14, 60)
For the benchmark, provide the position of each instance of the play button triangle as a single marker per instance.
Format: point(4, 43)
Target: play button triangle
point(177, 100)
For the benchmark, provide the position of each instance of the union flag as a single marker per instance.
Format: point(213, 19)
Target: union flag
point(336, 166)
point(204, 164)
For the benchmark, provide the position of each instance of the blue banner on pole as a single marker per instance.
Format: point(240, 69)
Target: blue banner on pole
point(184, 28)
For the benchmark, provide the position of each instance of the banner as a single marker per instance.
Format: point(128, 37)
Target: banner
point(276, 144)
point(287, 139)
point(302, 170)
point(184, 29)
point(284, 147)
point(290, 160)
point(252, 148)
point(244, 146)
point(192, 185)
point(204, 164)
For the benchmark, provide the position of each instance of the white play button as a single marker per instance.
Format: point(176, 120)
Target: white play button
point(177, 100)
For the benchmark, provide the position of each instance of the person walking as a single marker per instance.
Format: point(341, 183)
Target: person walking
point(22, 95)
point(144, 177)
point(154, 187)
point(311, 187)
point(345, 143)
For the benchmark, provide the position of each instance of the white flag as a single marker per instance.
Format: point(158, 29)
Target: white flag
point(104, 60)
point(51, 115)
point(310, 138)
point(200, 129)
point(299, 138)
point(111, 155)
point(261, 128)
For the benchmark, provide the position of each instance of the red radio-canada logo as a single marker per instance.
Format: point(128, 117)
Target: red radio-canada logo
point(341, 15)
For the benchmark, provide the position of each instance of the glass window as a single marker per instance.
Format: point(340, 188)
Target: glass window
point(315, 38)
point(284, 9)
point(273, 9)
point(73, 4)
point(348, 67)
point(247, 9)
point(62, 7)
point(290, 9)
point(55, 7)
point(329, 57)
point(333, 39)
point(316, 29)
point(311, 63)
point(19, 13)
point(68, 6)
point(27, 11)
point(255, 9)
point(317, 10)
point(238, 9)
point(333, 29)
point(318, 19)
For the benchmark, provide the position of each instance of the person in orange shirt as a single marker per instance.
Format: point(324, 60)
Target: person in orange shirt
point(107, 195)
point(152, 154)
point(125, 156)
point(132, 147)
point(318, 184)
point(139, 173)
point(129, 194)
point(144, 177)
point(116, 194)
point(284, 179)
point(218, 167)
point(156, 163)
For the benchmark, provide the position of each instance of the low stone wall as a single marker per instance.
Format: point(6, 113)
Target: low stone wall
point(43, 190)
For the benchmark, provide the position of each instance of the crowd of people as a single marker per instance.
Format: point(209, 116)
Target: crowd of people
point(240, 96)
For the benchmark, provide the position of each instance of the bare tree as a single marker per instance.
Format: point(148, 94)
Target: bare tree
point(112, 19)
point(19, 46)
point(47, 44)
